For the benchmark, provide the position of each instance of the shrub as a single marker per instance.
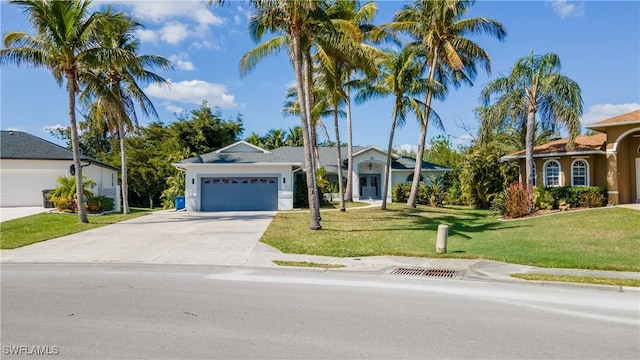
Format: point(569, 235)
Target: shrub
point(591, 199)
point(61, 203)
point(516, 201)
point(497, 204)
point(99, 204)
point(400, 192)
point(543, 199)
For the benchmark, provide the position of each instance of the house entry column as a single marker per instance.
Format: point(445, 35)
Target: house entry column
point(612, 177)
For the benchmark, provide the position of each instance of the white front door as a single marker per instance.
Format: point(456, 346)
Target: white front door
point(637, 180)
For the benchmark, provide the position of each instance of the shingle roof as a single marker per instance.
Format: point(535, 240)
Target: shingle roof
point(583, 143)
point(22, 145)
point(237, 158)
point(628, 118)
point(407, 163)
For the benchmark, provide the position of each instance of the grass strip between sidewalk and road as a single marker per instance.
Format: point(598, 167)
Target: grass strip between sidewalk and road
point(579, 279)
point(307, 264)
point(35, 228)
point(601, 239)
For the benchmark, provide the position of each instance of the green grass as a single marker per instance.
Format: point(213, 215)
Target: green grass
point(306, 264)
point(605, 239)
point(579, 279)
point(35, 228)
point(336, 205)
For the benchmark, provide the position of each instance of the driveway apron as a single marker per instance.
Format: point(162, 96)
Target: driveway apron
point(169, 237)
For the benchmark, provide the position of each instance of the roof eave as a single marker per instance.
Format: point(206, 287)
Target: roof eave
point(542, 155)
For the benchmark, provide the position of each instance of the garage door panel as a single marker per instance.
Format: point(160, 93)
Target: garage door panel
point(239, 193)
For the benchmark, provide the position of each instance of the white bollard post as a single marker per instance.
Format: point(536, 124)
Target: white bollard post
point(441, 243)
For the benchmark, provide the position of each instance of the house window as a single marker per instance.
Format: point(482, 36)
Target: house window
point(579, 173)
point(535, 173)
point(552, 173)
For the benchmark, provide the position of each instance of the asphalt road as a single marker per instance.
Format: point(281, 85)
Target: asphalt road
point(181, 312)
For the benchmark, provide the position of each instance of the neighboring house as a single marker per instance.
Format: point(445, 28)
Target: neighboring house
point(242, 176)
point(30, 165)
point(610, 159)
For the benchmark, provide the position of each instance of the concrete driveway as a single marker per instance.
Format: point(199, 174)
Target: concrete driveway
point(10, 213)
point(223, 238)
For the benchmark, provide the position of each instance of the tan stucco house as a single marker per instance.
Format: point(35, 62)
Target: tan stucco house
point(610, 159)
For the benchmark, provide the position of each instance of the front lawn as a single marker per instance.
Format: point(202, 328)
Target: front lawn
point(605, 239)
point(35, 228)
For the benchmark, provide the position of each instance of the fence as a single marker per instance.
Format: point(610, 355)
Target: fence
point(113, 193)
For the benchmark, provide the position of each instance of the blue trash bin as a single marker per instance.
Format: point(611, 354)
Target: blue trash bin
point(179, 202)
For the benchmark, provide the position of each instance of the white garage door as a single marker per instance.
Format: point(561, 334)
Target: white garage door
point(242, 193)
point(23, 187)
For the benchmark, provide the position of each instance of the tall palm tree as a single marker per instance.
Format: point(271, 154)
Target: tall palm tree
point(115, 94)
point(296, 22)
point(534, 86)
point(63, 41)
point(401, 76)
point(439, 28)
point(354, 20)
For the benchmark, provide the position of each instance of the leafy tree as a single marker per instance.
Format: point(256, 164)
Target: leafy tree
point(64, 41)
point(440, 29)
point(534, 86)
point(255, 139)
point(294, 136)
point(274, 139)
point(204, 130)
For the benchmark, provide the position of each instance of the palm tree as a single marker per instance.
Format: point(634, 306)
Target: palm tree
point(535, 86)
point(274, 139)
point(401, 77)
point(116, 91)
point(255, 139)
point(294, 136)
point(439, 29)
point(354, 20)
point(63, 42)
point(296, 21)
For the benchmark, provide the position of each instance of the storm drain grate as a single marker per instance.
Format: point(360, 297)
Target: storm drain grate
point(441, 273)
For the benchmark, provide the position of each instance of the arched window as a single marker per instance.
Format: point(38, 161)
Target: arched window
point(579, 173)
point(410, 178)
point(552, 173)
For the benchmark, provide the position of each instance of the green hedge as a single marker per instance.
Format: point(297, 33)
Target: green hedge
point(575, 196)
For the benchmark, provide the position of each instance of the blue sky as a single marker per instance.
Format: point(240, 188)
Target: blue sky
point(598, 43)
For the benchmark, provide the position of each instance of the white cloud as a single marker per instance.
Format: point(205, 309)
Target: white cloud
point(23, 130)
point(174, 32)
point(49, 127)
point(205, 44)
point(463, 139)
point(564, 8)
point(173, 108)
point(604, 111)
point(194, 92)
point(407, 148)
point(160, 11)
point(181, 62)
point(147, 35)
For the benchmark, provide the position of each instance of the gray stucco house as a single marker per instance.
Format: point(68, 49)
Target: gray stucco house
point(242, 176)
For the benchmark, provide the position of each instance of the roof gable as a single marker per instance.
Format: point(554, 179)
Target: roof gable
point(22, 145)
point(241, 146)
point(624, 119)
point(376, 149)
point(584, 144)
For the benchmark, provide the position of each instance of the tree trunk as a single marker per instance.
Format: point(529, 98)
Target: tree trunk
point(75, 147)
point(387, 170)
point(307, 67)
point(124, 186)
point(349, 187)
point(337, 128)
point(531, 133)
point(314, 211)
point(413, 196)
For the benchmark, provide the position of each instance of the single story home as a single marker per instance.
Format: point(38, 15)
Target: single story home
point(30, 165)
point(244, 177)
point(610, 158)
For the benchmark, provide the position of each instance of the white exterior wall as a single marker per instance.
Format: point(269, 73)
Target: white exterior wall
point(22, 181)
point(361, 166)
point(195, 172)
